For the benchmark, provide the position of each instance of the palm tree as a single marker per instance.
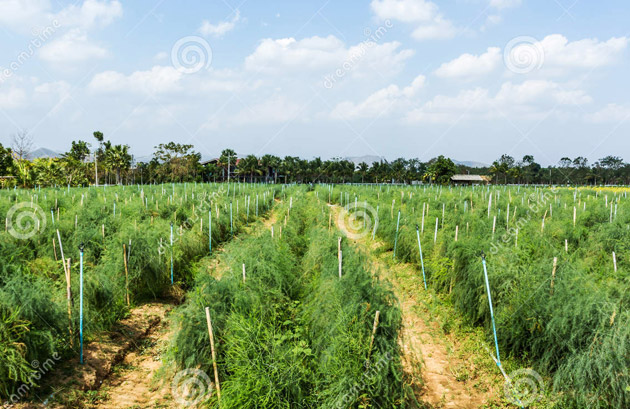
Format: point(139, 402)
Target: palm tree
point(99, 137)
point(117, 158)
point(363, 169)
point(270, 164)
point(249, 166)
point(228, 158)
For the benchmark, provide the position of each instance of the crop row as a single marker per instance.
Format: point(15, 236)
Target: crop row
point(43, 226)
point(289, 330)
point(558, 264)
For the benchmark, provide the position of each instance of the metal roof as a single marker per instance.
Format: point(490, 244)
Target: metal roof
point(468, 178)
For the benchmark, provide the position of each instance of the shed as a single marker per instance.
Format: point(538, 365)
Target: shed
point(470, 179)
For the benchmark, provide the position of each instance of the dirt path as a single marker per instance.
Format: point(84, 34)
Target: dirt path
point(133, 382)
point(430, 359)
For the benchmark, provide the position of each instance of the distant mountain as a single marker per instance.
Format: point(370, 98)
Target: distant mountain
point(43, 153)
point(369, 159)
point(471, 164)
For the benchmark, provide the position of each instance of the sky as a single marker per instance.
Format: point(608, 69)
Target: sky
point(469, 79)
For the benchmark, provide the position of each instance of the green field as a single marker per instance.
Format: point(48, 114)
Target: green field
point(291, 328)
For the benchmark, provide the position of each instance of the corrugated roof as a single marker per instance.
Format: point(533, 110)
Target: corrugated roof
point(468, 178)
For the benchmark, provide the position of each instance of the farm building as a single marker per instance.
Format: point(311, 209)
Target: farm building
point(470, 180)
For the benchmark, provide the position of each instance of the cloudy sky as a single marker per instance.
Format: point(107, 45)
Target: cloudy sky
point(470, 79)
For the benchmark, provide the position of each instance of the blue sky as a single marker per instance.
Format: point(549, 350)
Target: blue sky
point(470, 79)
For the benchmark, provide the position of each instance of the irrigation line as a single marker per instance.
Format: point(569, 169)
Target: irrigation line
point(421, 259)
point(494, 329)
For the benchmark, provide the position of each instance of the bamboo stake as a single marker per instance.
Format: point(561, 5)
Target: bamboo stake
point(456, 231)
point(340, 262)
point(436, 229)
point(614, 256)
point(126, 272)
point(214, 359)
point(243, 272)
point(553, 272)
point(374, 327)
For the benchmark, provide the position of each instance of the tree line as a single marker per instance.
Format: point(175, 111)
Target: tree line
point(102, 162)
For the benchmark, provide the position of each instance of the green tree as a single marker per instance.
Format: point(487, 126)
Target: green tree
point(119, 160)
point(99, 152)
point(440, 170)
point(6, 161)
point(228, 161)
point(176, 162)
point(249, 166)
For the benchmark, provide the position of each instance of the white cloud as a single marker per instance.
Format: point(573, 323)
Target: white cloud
point(380, 103)
point(531, 100)
point(469, 65)
point(503, 4)
point(430, 23)
point(586, 53)
point(13, 98)
point(23, 15)
point(610, 113)
point(158, 80)
point(72, 48)
point(220, 29)
point(325, 55)
point(91, 14)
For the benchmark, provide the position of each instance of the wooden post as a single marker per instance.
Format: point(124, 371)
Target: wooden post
point(374, 327)
point(214, 358)
point(553, 272)
point(456, 231)
point(126, 273)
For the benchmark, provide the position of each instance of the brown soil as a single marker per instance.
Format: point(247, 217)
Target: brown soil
point(134, 383)
point(430, 360)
